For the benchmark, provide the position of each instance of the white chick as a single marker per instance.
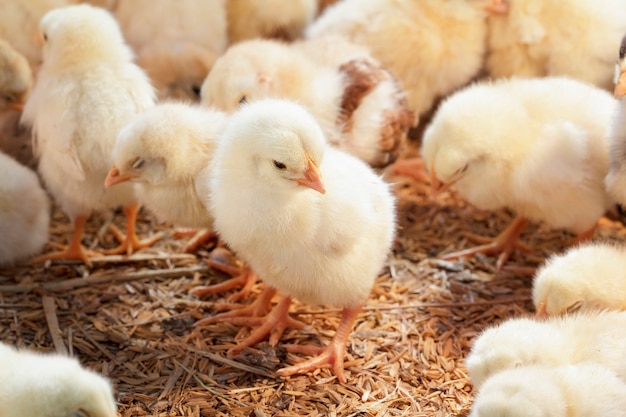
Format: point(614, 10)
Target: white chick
point(24, 212)
point(18, 25)
point(584, 337)
point(433, 47)
point(37, 384)
point(540, 391)
point(573, 38)
point(87, 89)
point(16, 78)
point(251, 19)
point(537, 146)
point(294, 208)
point(591, 276)
point(359, 104)
point(615, 181)
point(176, 42)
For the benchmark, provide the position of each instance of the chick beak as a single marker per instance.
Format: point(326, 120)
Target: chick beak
point(115, 177)
point(39, 39)
point(542, 311)
point(496, 6)
point(312, 178)
point(620, 86)
point(16, 105)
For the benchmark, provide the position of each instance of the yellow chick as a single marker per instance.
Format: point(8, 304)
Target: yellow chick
point(87, 89)
point(251, 19)
point(432, 46)
point(587, 390)
point(176, 42)
point(584, 337)
point(358, 103)
point(37, 384)
point(537, 146)
point(24, 212)
point(16, 78)
point(591, 276)
point(573, 38)
point(294, 208)
point(615, 180)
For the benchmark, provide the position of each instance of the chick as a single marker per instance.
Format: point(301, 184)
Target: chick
point(591, 276)
point(294, 208)
point(615, 180)
point(18, 25)
point(573, 38)
point(51, 385)
point(16, 78)
point(584, 337)
point(536, 146)
point(24, 212)
point(176, 42)
point(86, 90)
point(538, 391)
point(433, 47)
point(251, 19)
point(359, 104)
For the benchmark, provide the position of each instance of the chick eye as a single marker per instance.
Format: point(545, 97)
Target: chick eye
point(196, 90)
point(138, 163)
point(45, 36)
point(243, 100)
point(463, 169)
point(80, 413)
point(280, 165)
point(8, 97)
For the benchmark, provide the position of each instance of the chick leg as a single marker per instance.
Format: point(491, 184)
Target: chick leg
point(410, 167)
point(504, 244)
point(131, 242)
point(585, 236)
point(75, 249)
point(334, 353)
point(223, 261)
point(198, 238)
point(258, 308)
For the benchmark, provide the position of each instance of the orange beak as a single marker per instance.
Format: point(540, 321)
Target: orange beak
point(115, 177)
point(39, 39)
point(620, 86)
point(542, 311)
point(437, 186)
point(312, 178)
point(16, 105)
point(496, 6)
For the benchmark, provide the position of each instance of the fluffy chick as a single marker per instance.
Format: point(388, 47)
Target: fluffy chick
point(358, 103)
point(24, 212)
point(294, 208)
point(536, 38)
point(51, 385)
point(251, 19)
point(591, 276)
point(615, 181)
point(86, 90)
point(16, 78)
point(537, 146)
point(442, 43)
point(538, 391)
point(584, 337)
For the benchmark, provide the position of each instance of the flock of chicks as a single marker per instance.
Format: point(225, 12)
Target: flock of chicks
point(278, 158)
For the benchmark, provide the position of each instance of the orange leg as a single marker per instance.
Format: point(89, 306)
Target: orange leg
point(410, 167)
point(131, 242)
point(198, 238)
point(258, 308)
point(75, 249)
point(504, 244)
point(585, 236)
point(222, 260)
point(333, 354)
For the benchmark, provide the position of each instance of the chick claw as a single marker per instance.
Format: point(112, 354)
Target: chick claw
point(246, 279)
point(258, 308)
point(130, 242)
point(504, 244)
point(72, 252)
point(198, 238)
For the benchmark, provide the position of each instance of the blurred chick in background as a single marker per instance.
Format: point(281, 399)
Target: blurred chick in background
point(87, 89)
point(615, 181)
point(24, 212)
point(16, 78)
point(537, 146)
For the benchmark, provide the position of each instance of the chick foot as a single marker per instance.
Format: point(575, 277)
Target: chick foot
point(130, 242)
point(198, 238)
point(258, 308)
point(504, 244)
point(75, 250)
point(221, 260)
point(410, 167)
point(332, 355)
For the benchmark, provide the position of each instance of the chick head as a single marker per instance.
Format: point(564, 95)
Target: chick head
point(276, 144)
point(527, 391)
point(81, 35)
point(252, 70)
point(57, 386)
point(512, 344)
point(163, 144)
point(16, 78)
point(620, 71)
